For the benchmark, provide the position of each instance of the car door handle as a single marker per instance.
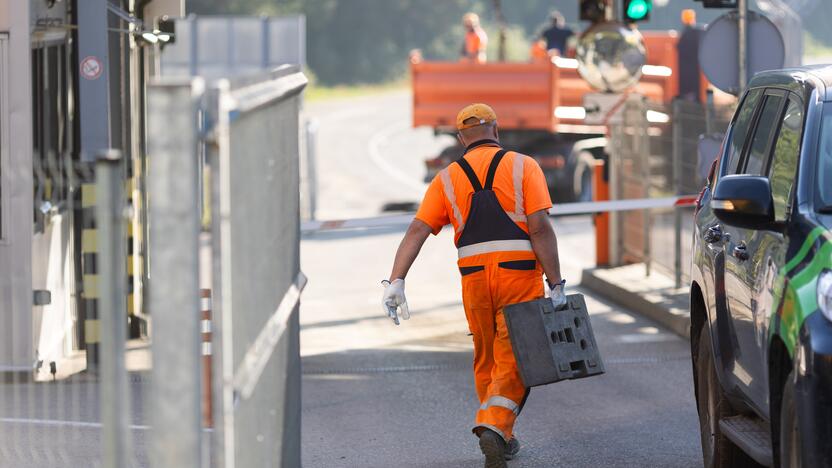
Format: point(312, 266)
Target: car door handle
point(741, 252)
point(713, 234)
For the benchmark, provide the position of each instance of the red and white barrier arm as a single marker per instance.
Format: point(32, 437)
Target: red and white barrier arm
point(565, 209)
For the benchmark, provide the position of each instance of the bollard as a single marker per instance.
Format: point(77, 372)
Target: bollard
point(207, 393)
point(601, 192)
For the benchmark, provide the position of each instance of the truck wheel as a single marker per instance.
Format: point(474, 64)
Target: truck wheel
point(789, 434)
point(582, 181)
point(717, 450)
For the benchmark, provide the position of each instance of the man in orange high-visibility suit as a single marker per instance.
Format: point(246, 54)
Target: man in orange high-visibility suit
point(476, 41)
point(497, 202)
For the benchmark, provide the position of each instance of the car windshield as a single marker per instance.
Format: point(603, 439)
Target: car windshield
point(824, 173)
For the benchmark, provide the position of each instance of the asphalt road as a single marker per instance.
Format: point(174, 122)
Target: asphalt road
point(377, 395)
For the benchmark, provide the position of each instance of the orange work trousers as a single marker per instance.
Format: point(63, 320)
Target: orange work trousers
point(485, 291)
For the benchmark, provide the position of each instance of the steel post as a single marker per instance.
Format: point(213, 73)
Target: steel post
point(615, 153)
point(175, 296)
point(643, 151)
point(115, 400)
point(94, 71)
point(311, 169)
point(742, 29)
point(677, 184)
point(709, 112)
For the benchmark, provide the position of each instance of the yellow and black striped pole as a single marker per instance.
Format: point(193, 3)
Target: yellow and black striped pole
point(134, 330)
point(89, 259)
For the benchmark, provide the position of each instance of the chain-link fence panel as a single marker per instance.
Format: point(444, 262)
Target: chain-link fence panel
point(256, 269)
point(688, 149)
point(631, 147)
point(661, 151)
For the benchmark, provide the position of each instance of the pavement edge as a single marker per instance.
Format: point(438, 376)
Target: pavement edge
point(678, 321)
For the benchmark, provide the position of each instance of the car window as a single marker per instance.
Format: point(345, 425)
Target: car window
point(824, 170)
point(739, 129)
point(760, 143)
point(784, 161)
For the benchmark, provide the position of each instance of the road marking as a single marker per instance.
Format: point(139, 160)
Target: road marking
point(642, 338)
point(81, 424)
point(65, 423)
point(374, 148)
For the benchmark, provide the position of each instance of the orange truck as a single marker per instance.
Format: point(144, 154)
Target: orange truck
point(540, 108)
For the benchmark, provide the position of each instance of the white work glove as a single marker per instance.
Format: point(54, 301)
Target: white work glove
point(556, 294)
point(393, 299)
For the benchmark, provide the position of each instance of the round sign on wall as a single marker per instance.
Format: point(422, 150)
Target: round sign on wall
point(91, 68)
point(719, 49)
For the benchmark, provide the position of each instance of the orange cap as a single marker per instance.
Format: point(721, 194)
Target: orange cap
point(482, 112)
point(688, 17)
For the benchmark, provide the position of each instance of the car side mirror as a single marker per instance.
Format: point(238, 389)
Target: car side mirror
point(744, 201)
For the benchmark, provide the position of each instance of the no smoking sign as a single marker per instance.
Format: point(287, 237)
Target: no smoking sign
point(91, 68)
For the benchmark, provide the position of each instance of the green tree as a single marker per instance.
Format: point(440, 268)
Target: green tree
point(367, 41)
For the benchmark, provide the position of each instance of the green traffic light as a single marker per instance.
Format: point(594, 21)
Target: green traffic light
point(638, 9)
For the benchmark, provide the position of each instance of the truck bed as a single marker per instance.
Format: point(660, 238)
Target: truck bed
point(545, 96)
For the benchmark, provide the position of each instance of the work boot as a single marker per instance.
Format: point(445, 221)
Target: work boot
point(512, 448)
point(494, 448)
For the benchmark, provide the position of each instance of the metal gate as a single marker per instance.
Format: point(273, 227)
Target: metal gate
point(249, 130)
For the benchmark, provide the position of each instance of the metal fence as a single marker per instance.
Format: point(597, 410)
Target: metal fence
point(173, 399)
point(251, 141)
point(256, 269)
point(660, 151)
point(58, 409)
point(223, 46)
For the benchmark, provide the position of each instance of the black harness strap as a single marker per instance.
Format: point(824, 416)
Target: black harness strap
point(469, 171)
point(492, 169)
point(489, 178)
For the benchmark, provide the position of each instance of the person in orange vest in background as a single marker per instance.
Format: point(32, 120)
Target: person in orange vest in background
point(497, 202)
point(474, 45)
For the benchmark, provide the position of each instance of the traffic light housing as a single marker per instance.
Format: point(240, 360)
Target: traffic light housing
point(593, 10)
point(637, 10)
point(718, 3)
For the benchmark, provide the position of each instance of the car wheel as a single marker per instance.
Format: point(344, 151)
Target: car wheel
point(717, 450)
point(789, 433)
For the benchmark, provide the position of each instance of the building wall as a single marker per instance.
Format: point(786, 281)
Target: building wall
point(16, 350)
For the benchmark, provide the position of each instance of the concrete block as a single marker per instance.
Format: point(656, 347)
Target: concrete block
point(553, 345)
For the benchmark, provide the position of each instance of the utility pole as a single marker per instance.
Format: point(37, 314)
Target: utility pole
point(501, 22)
point(742, 29)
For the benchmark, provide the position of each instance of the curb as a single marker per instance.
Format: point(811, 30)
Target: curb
point(675, 319)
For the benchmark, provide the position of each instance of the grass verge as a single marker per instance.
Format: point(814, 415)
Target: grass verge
point(316, 92)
